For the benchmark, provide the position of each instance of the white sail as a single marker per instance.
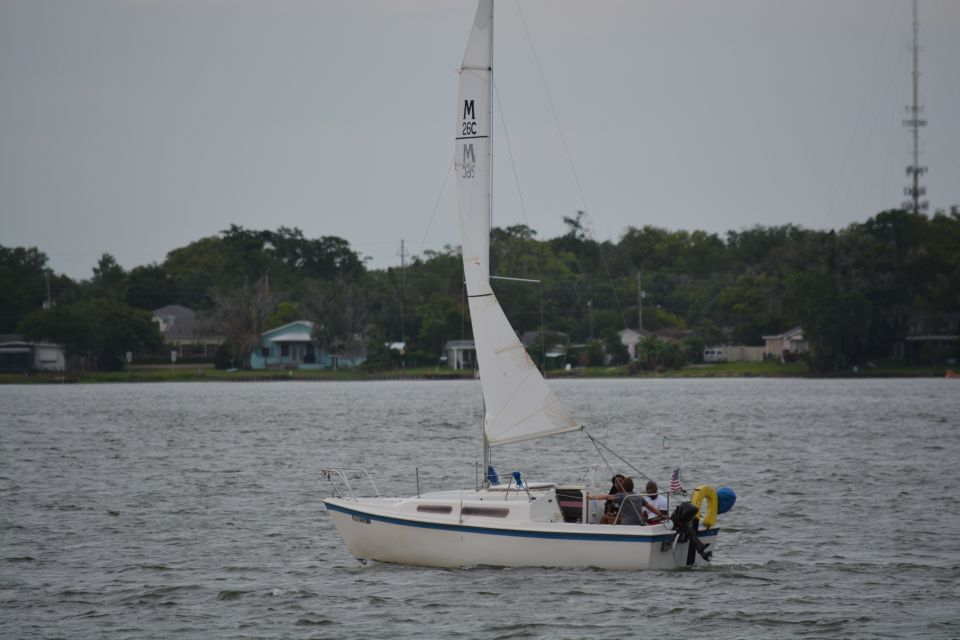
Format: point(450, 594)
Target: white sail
point(519, 404)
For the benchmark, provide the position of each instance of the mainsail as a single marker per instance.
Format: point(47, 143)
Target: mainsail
point(519, 404)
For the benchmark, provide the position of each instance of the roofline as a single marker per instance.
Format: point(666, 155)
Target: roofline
point(289, 324)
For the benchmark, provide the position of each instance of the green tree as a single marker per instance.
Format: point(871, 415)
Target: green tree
point(654, 353)
point(150, 287)
point(109, 279)
point(23, 273)
point(98, 331)
point(286, 313)
point(615, 348)
point(339, 313)
point(241, 314)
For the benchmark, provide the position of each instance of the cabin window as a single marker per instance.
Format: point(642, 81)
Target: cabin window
point(488, 512)
point(434, 508)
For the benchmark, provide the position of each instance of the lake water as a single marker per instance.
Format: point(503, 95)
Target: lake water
point(194, 510)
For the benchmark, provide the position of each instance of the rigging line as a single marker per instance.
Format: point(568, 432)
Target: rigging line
point(566, 151)
point(553, 111)
point(606, 267)
point(602, 457)
point(463, 318)
point(543, 336)
point(523, 209)
point(513, 164)
point(617, 455)
point(436, 205)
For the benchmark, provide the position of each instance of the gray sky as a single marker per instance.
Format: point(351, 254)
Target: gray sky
point(137, 126)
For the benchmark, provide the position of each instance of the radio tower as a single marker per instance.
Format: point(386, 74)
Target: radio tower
point(914, 122)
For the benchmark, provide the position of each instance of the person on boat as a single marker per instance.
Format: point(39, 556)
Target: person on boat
point(655, 506)
point(610, 507)
point(627, 506)
point(616, 483)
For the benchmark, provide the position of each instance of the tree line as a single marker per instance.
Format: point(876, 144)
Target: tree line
point(854, 291)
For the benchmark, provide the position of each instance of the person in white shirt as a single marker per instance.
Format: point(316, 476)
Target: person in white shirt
point(655, 506)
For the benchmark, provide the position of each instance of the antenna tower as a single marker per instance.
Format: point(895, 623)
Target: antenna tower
point(914, 190)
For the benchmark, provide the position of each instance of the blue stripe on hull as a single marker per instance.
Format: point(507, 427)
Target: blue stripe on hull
point(605, 537)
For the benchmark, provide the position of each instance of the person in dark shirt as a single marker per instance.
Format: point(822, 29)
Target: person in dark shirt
point(625, 505)
point(610, 507)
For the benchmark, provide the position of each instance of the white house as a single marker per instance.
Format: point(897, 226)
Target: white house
point(19, 355)
point(630, 338)
point(791, 340)
point(460, 354)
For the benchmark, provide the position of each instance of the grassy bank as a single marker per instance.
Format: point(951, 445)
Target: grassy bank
point(206, 374)
point(193, 373)
point(763, 370)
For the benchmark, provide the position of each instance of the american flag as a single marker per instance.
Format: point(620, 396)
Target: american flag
point(675, 481)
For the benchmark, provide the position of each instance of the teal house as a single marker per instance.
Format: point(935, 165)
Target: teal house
point(292, 346)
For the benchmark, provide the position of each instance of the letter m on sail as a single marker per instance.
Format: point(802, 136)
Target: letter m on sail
point(468, 112)
point(469, 158)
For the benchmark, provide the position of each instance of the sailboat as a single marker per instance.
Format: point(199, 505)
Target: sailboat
point(517, 523)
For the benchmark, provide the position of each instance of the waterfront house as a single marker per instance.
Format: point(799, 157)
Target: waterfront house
point(460, 354)
point(191, 335)
point(556, 342)
point(292, 346)
point(20, 356)
point(931, 337)
point(630, 338)
point(790, 342)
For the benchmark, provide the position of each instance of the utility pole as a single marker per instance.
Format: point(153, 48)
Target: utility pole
point(915, 191)
point(590, 311)
point(641, 294)
point(403, 269)
point(48, 303)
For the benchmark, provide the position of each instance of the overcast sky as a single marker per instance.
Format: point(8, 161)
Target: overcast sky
point(137, 126)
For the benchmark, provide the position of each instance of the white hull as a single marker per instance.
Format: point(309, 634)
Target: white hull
point(382, 530)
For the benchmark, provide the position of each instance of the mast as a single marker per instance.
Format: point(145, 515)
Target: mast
point(483, 421)
point(914, 122)
point(403, 271)
point(490, 130)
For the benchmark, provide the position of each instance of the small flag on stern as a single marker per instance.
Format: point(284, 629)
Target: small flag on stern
point(675, 481)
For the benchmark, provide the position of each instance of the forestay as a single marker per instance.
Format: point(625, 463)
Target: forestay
point(519, 404)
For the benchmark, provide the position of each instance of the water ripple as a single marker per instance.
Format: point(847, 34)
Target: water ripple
point(185, 511)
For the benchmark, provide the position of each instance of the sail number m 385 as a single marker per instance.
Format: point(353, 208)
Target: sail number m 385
point(469, 160)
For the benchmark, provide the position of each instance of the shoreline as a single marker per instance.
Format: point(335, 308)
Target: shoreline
point(206, 373)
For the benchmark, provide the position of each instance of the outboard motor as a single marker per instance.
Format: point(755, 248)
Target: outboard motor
point(682, 516)
point(685, 523)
